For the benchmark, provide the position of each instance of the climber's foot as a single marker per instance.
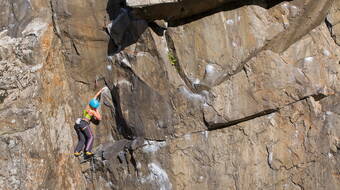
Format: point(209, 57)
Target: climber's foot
point(89, 154)
point(77, 154)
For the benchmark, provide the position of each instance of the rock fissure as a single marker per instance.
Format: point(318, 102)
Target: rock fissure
point(330, 29)
point(294, 173)
point(235, 122)
point(317, 97)
point(82, 82)
point(173, 58)
point(297, 184)
point(75, 47)
point(56, 28)
point(239, 68)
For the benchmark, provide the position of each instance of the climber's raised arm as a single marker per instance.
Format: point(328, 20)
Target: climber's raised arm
point(98, 93)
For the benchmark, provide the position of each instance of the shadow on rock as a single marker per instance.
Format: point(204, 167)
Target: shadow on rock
point(219, 7)
point(125, 27)
point(110, 98)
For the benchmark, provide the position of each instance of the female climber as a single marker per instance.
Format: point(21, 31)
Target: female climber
point(83, 129)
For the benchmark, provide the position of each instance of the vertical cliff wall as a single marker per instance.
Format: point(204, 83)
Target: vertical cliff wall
point(209, 95)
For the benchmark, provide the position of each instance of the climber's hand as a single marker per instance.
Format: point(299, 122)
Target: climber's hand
point(99, 92)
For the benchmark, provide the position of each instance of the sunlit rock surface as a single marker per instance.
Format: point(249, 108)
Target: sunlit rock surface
point(212, 95)
point(138, 3)
point(333, 19)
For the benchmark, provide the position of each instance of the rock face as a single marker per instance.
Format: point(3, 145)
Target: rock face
point(212, 95)
point(136, 3)
point(334, 21)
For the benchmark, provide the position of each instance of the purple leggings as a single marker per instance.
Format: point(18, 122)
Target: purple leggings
point(85, 136)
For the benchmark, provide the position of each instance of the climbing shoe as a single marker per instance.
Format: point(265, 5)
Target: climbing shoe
point(89, 154)
point(76, 154)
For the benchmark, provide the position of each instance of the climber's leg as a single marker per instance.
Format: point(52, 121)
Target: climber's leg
point(81, 140)
point(89, 140)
